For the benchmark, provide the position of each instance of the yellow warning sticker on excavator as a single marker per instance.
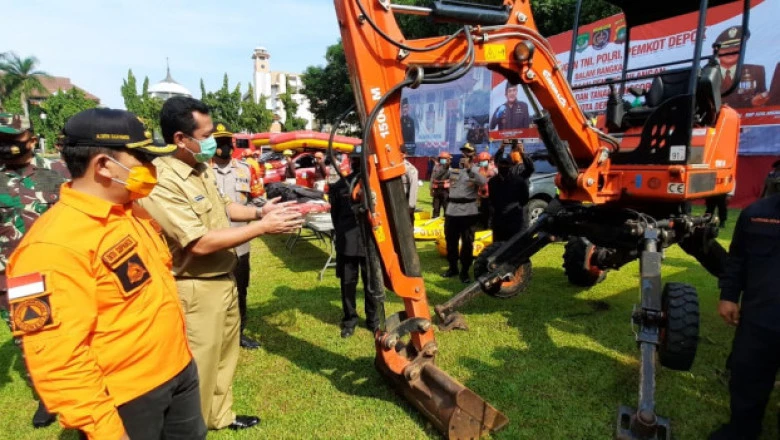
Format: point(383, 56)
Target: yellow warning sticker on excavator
point(495, 52)
point(380, 234)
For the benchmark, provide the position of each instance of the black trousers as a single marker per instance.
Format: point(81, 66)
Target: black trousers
point(348, 270)
point(170, 411)
point(484, 220)
point(719, 203)
point(460, 229)
point(440, 198)
point(754, 362)
point(241, 273)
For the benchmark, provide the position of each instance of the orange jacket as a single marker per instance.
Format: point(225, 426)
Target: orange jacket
point(112, 326)
point(482, 192)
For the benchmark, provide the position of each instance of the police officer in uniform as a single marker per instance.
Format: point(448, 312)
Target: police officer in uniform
point(28, 187)
point(410, 181)
point(509, 191)
point(440, 183)
point(750, 300)
point(234, 179)
point(751, 89)
point(350, 252)
point(408, 126)
point(460, 217)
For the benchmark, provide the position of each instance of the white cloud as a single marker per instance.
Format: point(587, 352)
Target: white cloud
point(95, 42)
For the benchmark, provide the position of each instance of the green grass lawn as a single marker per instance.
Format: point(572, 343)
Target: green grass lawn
point(555, 360)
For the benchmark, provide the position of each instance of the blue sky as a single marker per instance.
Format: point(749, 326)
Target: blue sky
point(95, 42)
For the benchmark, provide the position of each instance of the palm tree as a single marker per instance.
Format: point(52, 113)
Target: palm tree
point(21, 74)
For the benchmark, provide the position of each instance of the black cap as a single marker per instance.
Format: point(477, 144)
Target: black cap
point(109, 128)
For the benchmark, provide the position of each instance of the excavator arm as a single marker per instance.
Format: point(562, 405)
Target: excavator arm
point(381, 63)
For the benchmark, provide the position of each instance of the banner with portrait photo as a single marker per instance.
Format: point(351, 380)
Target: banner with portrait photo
point(442, 117)
point(599, 56)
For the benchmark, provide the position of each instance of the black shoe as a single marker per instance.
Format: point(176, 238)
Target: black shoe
point(373, 328)
point(42, 417)
point(449, 274)
point(243, 422)
point(347, 332)
point(248, 343)
point(464, 278)
point(722, 433)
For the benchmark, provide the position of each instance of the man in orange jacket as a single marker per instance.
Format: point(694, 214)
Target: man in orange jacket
point(93, 299)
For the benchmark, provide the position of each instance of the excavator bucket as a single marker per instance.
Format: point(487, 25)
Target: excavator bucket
point(455, 410)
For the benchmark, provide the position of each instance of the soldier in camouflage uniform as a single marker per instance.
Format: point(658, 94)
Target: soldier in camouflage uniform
point(59, 164)
point(28, 187)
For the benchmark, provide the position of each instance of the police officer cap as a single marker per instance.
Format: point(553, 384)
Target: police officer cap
point(467, 147)
point(109, 128)
point(730, 37)
point(222, 131)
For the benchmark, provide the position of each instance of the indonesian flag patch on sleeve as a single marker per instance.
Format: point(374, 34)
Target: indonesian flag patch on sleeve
point(30, 306)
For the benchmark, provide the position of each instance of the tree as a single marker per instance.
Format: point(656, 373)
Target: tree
point(21, 75)
point(144, 106)
point(254, 117)
point(327, 87)
point(58, 108)
point(225, 105)
point(291, 121)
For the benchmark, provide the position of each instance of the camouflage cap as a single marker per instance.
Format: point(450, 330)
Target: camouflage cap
point(13, 124)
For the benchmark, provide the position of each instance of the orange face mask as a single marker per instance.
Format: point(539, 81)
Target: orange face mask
point(141, 179)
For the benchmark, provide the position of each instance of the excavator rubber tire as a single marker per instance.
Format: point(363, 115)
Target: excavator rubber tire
point(577, 269)
point(680, 334)
point(522, 276)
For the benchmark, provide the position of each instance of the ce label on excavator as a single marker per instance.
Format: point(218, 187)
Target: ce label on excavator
point(675, 188)
point(495, 53)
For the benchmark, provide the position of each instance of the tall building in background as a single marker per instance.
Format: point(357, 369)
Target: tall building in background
point(273, 84)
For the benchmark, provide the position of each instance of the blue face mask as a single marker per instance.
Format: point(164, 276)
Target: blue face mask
point(208, 147)
point(483, 164)
point(443, 161)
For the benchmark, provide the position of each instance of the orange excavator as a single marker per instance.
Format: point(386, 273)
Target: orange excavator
point(625, 190)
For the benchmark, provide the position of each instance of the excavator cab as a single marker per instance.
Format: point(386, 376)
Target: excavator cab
point(663, 124)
